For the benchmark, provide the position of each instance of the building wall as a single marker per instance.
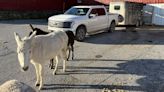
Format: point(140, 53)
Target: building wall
point(45, 8)
point(29, 9)
point(39, 5)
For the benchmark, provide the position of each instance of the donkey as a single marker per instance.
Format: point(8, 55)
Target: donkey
point(38, 31)
point(39, 49)
point(41, 32)
point(71, 40)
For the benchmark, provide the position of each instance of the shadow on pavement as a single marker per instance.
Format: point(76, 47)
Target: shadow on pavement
point(88, 86)
point(131, 36)
point(152, 71)
point(92, 70)
point(94, 59)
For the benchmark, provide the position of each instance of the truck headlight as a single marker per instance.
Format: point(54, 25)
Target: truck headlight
point(68, 24)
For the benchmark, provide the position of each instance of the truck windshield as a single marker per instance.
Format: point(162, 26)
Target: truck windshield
point(77, 11)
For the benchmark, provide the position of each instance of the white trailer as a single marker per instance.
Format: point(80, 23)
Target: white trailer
point(154, 14)
point(131, 12)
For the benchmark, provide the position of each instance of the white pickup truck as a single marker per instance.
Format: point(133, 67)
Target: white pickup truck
point(84, 19)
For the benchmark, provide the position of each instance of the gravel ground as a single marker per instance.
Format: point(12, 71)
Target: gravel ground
point(123, 61)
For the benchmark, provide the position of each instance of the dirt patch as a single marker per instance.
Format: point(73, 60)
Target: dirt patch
point(98, 56)
point(4, 50)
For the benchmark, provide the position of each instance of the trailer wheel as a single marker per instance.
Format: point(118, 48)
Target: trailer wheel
point(112, 27)
point(141, 23)
point(138, 23)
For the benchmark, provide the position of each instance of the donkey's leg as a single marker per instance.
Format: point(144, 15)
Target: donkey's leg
point(51, 65)
point(41, 73)
point(68, 51)
point(56, 65)
point(64, 55)
point(72, 51)
point(36, 65)
point(37, 74)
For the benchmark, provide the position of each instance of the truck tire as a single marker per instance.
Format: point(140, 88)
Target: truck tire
point(80, 33)
point(112, 27)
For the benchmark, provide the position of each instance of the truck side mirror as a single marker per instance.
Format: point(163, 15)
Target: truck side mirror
point(92, 15)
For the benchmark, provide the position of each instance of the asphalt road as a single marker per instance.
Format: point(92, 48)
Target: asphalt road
point(131, 61)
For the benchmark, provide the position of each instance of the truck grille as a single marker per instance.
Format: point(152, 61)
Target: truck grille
point(59, 24)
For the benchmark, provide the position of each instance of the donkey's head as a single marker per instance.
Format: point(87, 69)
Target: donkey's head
point(24, 49)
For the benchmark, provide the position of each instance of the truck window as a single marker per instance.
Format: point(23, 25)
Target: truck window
point(117, 7)
point(101, 11)
point(94, 11)
point(77, 11)
point(98, 11)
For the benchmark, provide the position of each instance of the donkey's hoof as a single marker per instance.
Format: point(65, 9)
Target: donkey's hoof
point(64, 71)
point(54, 73)
point(51, 67)
point(37, 84)
point(40, 88)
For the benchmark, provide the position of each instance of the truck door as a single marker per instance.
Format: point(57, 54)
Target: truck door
point(102, 18)
point(93, 21)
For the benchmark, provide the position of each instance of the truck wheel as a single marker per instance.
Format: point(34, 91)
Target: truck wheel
point(112, 27)
point(80, 33)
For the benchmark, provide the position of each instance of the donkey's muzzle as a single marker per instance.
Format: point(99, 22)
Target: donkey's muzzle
point(25, 68)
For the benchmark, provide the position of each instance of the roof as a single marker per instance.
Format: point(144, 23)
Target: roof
point(89, 6)
point(141, 1)
point(147, 1)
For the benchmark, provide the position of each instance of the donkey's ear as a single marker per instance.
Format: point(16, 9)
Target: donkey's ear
point(17, 37)
point(33, 34)
point(31, 27)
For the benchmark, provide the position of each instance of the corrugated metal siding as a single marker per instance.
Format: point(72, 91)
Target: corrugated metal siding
point(154, 14)
point(148, 14)
point(158, 14)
